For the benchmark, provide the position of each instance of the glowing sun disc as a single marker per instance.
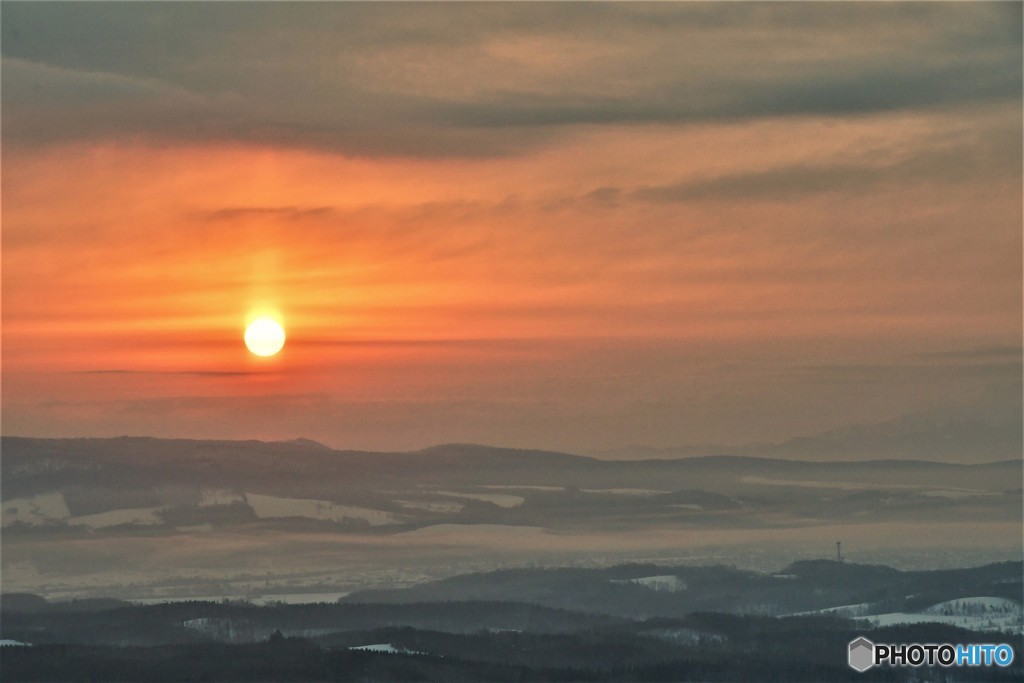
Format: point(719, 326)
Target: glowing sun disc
point(264, 337)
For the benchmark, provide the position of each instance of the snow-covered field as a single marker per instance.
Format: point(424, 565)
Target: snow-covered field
point(51, 508)
point(1003, 624)
point(974, 613)
point(44, 508)
point(847, 611)
point(502, 500)
point(976, 606)
point(443, 508)
point(145, 516)
point(273, 506)
point(628, 492)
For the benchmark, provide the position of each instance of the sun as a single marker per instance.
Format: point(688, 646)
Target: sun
point(264, 337)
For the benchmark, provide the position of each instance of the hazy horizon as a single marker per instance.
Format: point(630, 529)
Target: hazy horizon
point(146, 518)
point(801, 449)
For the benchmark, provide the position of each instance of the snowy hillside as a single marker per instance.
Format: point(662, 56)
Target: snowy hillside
point(975, 613)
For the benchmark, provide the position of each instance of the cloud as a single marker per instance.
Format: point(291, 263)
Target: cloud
point(185, 373)
point(287, 213)
point(986, 153)
point(824, 91)
point(44, 103)
point(479, 80)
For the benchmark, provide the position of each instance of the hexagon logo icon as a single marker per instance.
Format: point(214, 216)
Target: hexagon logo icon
point(862, 654)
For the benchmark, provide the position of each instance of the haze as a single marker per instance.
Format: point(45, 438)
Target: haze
point(587, 227)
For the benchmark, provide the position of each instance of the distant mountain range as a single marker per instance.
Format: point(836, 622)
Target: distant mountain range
point(144, 482)
point(934, 436)
point(150, 514)
point(148, 484)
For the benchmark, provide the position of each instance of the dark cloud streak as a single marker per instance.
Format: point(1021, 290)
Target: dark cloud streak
point(823, 93)
point(984, 154)
point(296, 75)
point(184, 373)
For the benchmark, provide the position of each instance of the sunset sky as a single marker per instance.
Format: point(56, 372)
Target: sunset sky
point(563, 226)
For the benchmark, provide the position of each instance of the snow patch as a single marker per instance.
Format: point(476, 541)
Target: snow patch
point(975, 613)
point(386, 647)
point(976, 605)
point(446, 508)
point(848, 611)
point(145, 516)
point(502, 500)
point(273, 506)
point(492, 534)
point(7, 642)
point(45, 508)
point(210, 497)
point(998, 623)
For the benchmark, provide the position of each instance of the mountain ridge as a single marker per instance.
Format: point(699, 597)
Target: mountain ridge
point(76, 506)
point(474, 449)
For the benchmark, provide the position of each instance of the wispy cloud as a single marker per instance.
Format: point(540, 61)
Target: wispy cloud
point(182, 373)
point(283, 212)
point(395, 79)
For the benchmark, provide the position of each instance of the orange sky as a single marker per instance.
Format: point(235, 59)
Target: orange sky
point(546, 251)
